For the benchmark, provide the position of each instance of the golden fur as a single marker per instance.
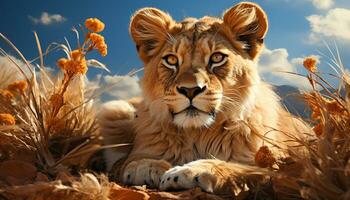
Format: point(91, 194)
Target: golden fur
point(178, 147)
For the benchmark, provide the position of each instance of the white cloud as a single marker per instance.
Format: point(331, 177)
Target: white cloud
point(323, 4)
point(274, 66)
point(124, 87)
point(47, 19)
point(335, 25)
point(319, 4)
point(9, 71)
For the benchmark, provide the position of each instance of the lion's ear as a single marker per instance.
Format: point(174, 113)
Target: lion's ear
point(247, 22)
point(149, 28)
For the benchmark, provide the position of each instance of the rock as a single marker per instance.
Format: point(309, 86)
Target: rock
point(119, 193)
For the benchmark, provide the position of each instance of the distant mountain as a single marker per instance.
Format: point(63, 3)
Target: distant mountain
point(291, 98)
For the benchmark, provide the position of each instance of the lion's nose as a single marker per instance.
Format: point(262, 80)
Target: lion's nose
point(191, 92)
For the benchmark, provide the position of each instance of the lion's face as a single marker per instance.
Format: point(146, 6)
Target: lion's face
point(196, 74)
point(198, 69)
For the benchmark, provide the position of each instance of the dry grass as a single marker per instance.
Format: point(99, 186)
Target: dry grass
point(48, 123)
point(46, 109)
point(322, 171)
point(48, 132)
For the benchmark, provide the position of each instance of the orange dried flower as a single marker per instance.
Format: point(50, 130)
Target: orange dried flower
point(20, 86)
point(76, 67)
point(94, 25)
point(62, 62)
point(6, 93)
point(72, 67)
point(96, 38)
point(102, 49)
point(98, 42)
point(7, 119)
point(77, 54)
point(310, 63)
point(264, 157)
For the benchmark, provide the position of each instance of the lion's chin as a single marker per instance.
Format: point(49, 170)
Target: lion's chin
point(197, 120)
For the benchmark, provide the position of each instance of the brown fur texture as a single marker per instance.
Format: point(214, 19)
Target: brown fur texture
point(199, 119)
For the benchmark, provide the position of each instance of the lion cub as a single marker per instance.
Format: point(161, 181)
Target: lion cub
point(205, 111)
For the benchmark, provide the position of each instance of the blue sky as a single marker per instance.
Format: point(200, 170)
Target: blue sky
point(293, 34)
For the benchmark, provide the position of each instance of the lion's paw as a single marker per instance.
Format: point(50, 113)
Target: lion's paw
point(145, 172)
point(189, 176)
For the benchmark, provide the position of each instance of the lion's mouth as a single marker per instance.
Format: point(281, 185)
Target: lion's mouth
point(192, 111)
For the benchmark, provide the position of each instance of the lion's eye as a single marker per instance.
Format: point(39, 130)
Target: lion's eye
point(217, 59)
point(170, 61)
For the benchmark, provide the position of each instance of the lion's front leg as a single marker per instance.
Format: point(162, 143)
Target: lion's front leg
point(210, 175)
point(145, 172)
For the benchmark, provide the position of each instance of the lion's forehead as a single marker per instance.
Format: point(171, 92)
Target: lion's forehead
point(199, 25)
point(197, 35)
